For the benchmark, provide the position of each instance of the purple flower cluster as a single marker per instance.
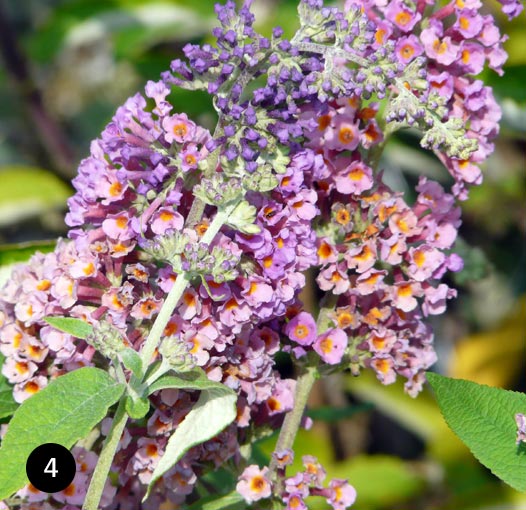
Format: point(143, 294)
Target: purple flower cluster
point(297, 72)
point(520, 420)
point(254, 484)
point(51, 284)
point(128, 194)
point(382, 258)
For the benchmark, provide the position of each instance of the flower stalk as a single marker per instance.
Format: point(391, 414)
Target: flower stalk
point(102, 469)
point(292, 421)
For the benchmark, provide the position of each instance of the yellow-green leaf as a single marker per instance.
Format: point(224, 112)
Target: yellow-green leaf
point(27, 191)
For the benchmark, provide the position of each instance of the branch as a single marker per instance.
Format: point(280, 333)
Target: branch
point(48, 133)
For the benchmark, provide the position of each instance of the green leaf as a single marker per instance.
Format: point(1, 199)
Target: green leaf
point(28, 192)
point(7, 404)
point(132, 361)
point(215, 410)
point(194, 380)
point(381, 481)
point(137, 408)
point(229, 501)
point(63, 412)
point(76, 327)
point(484, 419)
point(20, 252)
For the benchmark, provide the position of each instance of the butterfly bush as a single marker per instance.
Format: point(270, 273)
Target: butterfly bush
point(294, 162)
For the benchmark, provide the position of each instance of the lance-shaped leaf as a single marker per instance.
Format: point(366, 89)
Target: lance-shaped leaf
point(63, 412)
point(215, 410)
point(76, 327)
point(484, 419)
point(193, 380)
point(132, 361)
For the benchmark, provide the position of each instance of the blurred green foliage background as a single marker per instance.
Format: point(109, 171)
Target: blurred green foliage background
point(67, 65)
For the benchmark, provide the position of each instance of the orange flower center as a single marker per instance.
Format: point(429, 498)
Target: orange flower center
point(32, 387)
point(121, 221)
point(166, 215)
point(356, 174)
point(115, 189)
point(273, 404)
point(343, 217)
point(326, 345)
point(324, 251)
point(463, 22)
point(407, 51)
point(346, 135)
point(180, 130)
point(44, 285)
point(405, 290)
point(403, 18)
point(379, 36)
point(323, 122)
point(345, 319)
point(151, 450)
point(301, 331)
point(257, 484)
point(419, 258)
point(440, 47)
point(189, 299)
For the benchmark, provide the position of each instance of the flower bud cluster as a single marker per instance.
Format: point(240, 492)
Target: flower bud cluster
point(217, 191)
point(219, 264)
point(106, 339)
point(186, 254)
point(176, 354)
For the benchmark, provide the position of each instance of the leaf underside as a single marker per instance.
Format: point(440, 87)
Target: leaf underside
point(214, 411)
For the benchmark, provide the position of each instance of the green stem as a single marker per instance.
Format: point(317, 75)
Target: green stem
point(165, 314)
point(107, 454)
point(304, 385)
point(219, 220)
point(196, 212)
point(292, 421)
point(198, 206)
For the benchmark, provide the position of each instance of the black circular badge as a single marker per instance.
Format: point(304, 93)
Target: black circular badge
point(50, 467)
